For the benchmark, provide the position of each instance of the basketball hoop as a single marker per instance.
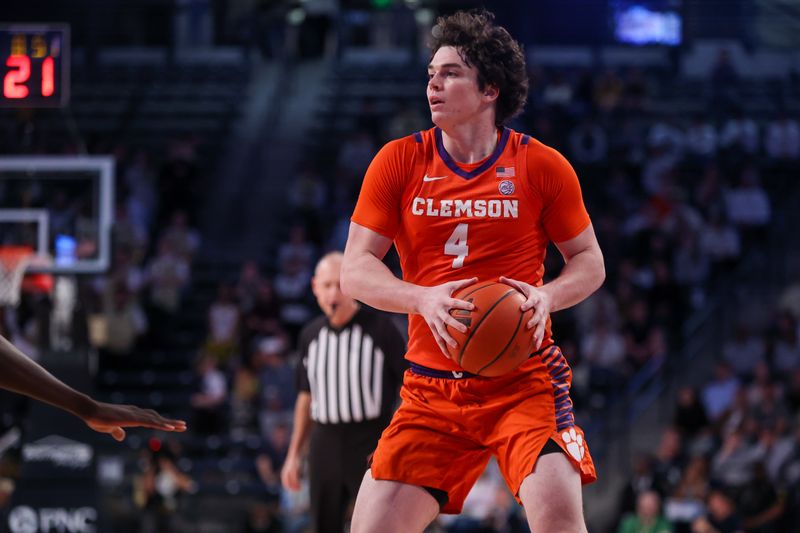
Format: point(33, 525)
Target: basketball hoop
point(14, 261)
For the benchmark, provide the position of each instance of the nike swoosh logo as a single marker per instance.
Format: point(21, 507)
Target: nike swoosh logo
point(433, 178)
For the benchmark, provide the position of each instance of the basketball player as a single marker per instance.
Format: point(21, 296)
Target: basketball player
point(20, 374)
point(352, 368)
point(472, 200)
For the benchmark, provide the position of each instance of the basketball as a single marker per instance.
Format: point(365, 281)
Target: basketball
point(497, 340)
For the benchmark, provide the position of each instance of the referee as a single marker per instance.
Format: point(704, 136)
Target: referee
point(348, 382)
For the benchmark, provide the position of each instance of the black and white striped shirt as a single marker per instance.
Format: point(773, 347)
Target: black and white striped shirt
point(353, 373)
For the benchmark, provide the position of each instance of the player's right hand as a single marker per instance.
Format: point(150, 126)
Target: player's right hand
point(112, 418)
point(290, 473)
point(434, 305)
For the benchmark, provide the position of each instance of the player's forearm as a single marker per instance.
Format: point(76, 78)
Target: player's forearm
point(19, 374)
point(581, 276)
point(302, 424)
point(367, 279)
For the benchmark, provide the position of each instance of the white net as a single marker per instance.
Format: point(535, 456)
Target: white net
point(13, 263)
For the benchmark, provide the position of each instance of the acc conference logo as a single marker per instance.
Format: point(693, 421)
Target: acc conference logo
point(24, 519)
point(506, 187)
point(60, 451)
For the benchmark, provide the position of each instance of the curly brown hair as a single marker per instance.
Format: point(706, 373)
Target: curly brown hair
point(498, 58)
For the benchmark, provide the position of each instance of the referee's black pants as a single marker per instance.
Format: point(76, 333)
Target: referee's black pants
point(337, 462)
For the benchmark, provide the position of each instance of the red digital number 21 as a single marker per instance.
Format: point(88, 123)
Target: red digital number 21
point(13, 84)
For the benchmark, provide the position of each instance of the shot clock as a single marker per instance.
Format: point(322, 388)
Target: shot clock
point(34, 65)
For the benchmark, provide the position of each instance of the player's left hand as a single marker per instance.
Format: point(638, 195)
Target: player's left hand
point(539, 301)
point(111, 419)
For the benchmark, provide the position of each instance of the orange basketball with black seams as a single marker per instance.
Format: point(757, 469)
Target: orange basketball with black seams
point(497, 339)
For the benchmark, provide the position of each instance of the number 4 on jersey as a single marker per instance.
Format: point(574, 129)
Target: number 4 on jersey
point(457, 245)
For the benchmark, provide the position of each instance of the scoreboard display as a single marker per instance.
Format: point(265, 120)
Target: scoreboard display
point(34, 65)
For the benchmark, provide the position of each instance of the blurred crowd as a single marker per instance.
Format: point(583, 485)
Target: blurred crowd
point(677, 198)
point(730, 460)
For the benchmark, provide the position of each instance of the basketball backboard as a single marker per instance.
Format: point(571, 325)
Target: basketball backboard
point(62, 207)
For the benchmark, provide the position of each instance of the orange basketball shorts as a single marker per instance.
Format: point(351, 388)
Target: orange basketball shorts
point(445, 430)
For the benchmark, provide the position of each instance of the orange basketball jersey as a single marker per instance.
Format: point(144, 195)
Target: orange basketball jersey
point(452, 221)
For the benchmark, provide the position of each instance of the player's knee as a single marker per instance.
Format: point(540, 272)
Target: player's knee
point(557, 519)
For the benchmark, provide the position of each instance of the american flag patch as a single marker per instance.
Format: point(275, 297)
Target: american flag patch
point(505, 172)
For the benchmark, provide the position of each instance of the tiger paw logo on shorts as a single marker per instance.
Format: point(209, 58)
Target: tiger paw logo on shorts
point(574, 442)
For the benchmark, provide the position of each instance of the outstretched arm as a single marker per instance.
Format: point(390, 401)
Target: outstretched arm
point(20, 374)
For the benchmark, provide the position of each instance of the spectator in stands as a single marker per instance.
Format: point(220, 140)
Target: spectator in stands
point(762, 376)
point(603, 349)
point(159, 488)
point(718, 394)
point(643, 479)
point(760, 504)
point(167, 276)
point(264, 317)
point(276, 384)
point(638, 331)
point(690, 415)
point(125, 274)
point(223, 325)
point(648, 517)
point(744, 351)
point(770, 412)
point(782, 140)
point(735, 415)
point(297, 249)
point(721, 242)
point(248, 285)
point(208, 403)
point(785, 344)
point(271, 457)
point(244, 400)
point(184, 239)
point(747, 205)
point(733, 463)
point(124, 323)
point(291, 287)
point(670, 459)
point(142, 200)
point(775, 449)
point(687, 502)
point(691, 269)
point(722, 516)
point(129, 237)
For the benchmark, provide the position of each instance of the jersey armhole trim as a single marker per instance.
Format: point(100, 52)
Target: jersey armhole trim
point(381, 231)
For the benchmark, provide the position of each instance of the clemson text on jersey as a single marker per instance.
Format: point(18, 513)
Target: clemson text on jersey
point(465, 208)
